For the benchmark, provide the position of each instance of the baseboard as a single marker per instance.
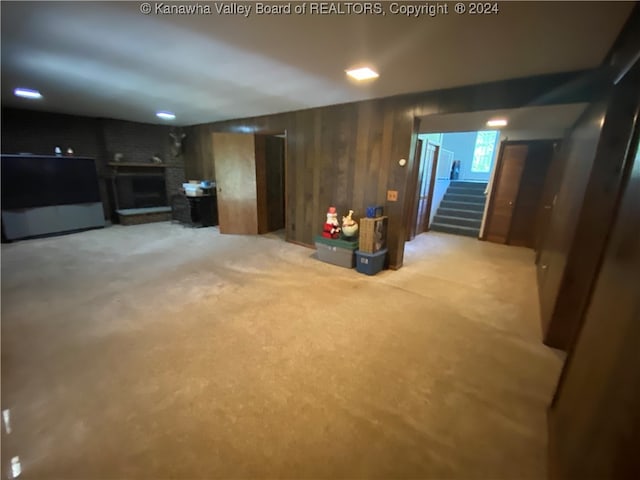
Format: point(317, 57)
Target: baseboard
point(300, 244)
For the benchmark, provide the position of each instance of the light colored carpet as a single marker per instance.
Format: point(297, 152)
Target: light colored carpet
point(156, 351)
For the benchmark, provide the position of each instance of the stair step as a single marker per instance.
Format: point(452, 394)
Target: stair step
point(466, 191)
point(454, 212)
point(458, 197)
point(456, 230)
point(475, 185)
point(458, 221)
point(477, 207)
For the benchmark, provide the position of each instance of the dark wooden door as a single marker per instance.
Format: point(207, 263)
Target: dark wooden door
point(427, 182)
point(507, 184)
point(526, 213)
point(594, 420)
point(235, 166)
point(424, 189)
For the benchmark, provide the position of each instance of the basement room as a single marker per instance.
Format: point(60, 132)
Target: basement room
point(320, 240)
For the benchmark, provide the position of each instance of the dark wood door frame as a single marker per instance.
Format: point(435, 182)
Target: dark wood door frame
point(284, 183)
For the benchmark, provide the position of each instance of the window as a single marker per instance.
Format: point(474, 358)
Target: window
point(483, 153)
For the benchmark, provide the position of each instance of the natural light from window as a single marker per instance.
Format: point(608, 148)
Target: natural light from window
point(483, 152)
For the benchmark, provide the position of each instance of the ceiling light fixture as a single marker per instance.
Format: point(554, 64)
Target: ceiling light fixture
point(364, 73)
point(166, 115)
point(497, 122)
point(27, 93)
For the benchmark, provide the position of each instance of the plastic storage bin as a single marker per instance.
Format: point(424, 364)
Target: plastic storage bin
point(370, 263)
point(337, 252)
point(374, 212)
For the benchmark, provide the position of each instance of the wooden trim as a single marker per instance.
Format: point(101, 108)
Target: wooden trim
point(138, 164)
point(300, 244)
point(287, 237)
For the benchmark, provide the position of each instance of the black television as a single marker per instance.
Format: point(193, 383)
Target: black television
point(30, 181)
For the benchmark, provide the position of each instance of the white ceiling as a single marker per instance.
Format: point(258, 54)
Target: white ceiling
point(553, 118)
point(109, 60)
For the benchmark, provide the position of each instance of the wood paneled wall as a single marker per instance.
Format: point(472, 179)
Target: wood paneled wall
point(595, 420)
point(580, 222)
point(198, 154)
point(347, 155)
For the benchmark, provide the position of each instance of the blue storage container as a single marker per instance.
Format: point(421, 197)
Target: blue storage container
point(374, 212)
point(370, 263)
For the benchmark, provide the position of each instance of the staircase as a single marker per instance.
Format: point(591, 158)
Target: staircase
point(461, 209)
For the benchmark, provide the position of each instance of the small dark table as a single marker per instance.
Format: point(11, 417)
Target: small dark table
point(199, 211)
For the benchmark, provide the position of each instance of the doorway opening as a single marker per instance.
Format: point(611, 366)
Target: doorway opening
point(273, 186)
point(485, 186)
point(453, 170)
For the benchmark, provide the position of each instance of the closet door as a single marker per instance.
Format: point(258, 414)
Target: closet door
point(426, 185)
point(526, 216)
point(234, 157)
point(507, 184)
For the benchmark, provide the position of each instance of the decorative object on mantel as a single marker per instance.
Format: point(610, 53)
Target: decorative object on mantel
point(57, 151)
point(349, 225)
point(177, 136)
point(118, 157)
point(156, 158)
point(69, 151)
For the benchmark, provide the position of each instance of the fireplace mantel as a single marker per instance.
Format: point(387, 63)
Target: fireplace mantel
point(138, 164)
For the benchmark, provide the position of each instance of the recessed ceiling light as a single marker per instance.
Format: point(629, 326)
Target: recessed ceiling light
point(364, 73)
point(166, 115)
point(27, 93)
point(497, 122)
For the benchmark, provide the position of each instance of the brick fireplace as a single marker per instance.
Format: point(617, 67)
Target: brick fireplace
point(140, 192)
